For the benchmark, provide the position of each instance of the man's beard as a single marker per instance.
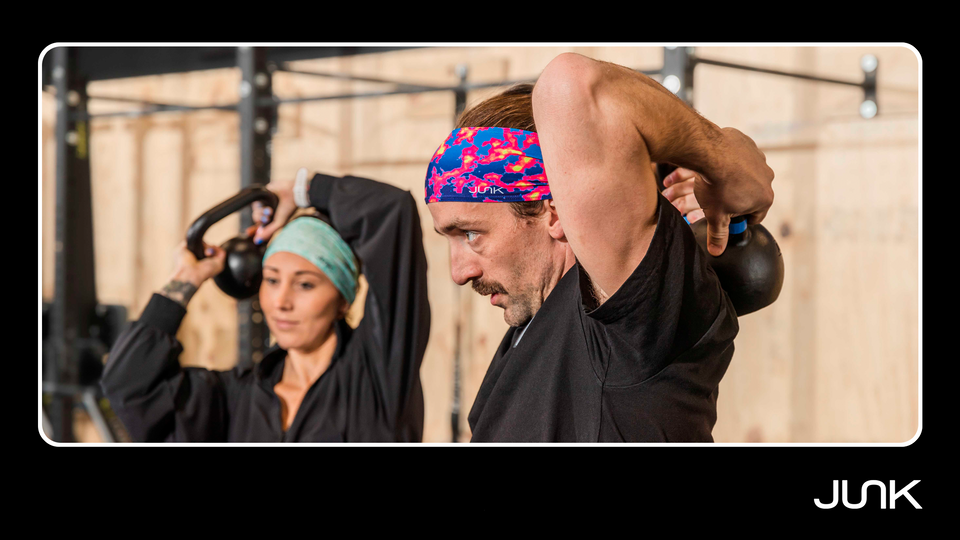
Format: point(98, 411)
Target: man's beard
point(519, 309)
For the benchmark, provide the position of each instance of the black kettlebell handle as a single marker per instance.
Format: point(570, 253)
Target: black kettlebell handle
point(246, 196)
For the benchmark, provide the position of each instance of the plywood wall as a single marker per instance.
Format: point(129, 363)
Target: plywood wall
point(834, 360)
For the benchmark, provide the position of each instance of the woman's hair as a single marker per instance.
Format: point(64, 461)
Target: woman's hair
point(512, 108)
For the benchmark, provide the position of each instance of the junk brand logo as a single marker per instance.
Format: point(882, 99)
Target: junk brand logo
point(488, 189)
point(894, 495)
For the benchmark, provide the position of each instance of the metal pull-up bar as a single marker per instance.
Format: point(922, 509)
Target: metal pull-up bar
point(677, 76)
point(679, 64)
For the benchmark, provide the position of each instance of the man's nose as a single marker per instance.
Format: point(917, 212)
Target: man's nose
point(463, 267)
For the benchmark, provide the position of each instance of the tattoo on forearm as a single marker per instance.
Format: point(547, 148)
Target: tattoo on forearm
point(179, 291)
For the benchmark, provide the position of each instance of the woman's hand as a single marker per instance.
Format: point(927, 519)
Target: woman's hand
point(286, 206)
point(189, 273)
point(679, 191)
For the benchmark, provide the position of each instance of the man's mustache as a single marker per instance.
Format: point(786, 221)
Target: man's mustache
point(484, 288)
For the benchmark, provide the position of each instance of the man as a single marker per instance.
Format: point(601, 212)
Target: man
point(619, 330)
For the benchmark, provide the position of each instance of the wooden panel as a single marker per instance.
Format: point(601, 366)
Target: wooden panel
point(868, 201)
point(48, 195)
point(868, 268)
point(113, 155)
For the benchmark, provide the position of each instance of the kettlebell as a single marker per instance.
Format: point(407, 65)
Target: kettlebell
point(243, 270)
point(750, 270)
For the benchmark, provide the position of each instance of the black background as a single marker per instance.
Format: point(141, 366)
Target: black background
point(489, 490)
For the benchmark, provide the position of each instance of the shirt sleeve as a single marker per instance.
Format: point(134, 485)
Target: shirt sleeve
point(671, 304)
point(156, 399)
point(382, 225)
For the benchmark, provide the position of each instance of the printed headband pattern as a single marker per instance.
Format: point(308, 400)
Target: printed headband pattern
point(487, 165)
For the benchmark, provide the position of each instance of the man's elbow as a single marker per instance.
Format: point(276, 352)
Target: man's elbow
point(568, 83)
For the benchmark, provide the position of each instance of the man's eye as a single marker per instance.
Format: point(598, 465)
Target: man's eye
point(470, 235)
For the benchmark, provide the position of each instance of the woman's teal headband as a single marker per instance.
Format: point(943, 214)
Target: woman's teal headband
point(318, 243)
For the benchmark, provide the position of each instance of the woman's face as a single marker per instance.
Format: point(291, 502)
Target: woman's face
point(298, 301)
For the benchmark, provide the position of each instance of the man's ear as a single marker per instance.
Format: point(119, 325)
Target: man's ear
point(553, 221)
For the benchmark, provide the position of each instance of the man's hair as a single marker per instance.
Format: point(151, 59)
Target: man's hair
point(512, 108)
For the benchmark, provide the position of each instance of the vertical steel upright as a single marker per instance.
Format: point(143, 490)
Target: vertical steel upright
point(869, 65)
point(257, 121)
point(677, 72)
point(75, 295)
point(460, 104)
point(676, 76)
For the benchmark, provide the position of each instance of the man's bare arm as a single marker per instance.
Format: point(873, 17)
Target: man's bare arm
point(600, 126)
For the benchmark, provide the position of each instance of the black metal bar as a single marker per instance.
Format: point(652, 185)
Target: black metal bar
point(143, 102)
point(460, 94)
point(75, 297)
point(460, 104)
point(91, 404)
point(697, 60)
point(153, 106)
point(416, 89)
point(91, 399)
point(265, 101)
point(99, 63)
point(869, 107)
point(455, 404)
point(399, 91)
point(158, 109)
point(678, 72)
point(257, 121)
point(348, 77)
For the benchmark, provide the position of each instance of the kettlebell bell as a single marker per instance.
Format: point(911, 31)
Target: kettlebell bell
point(243, 270)
point(750, 270)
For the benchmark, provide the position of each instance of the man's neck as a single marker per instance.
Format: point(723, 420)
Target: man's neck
point(561, 270)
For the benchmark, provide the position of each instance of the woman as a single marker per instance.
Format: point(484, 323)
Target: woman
point(322, 382)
